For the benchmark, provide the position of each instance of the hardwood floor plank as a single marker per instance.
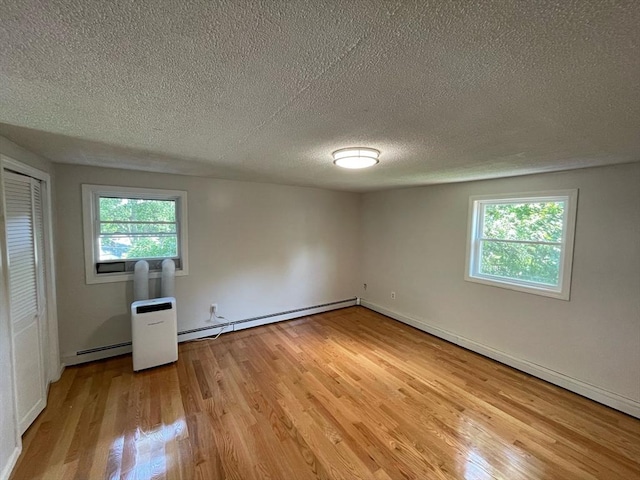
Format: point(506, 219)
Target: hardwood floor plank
point(348, 394)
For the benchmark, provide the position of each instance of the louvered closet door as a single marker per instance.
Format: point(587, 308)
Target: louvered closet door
point(26, 298)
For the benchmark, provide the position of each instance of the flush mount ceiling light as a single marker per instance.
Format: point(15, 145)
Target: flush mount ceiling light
point(356, 157)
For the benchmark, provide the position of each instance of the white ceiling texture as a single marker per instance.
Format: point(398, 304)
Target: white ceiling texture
point(266, 90)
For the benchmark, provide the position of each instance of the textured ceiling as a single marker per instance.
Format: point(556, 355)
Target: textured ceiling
point(266, 90)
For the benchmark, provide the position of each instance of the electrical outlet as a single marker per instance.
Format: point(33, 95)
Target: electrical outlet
point(393, 295)
point(364, 286)
point(213, 309)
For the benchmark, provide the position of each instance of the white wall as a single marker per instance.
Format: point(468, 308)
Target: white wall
point(9, 439)
point(414, 244)
point(254, 248)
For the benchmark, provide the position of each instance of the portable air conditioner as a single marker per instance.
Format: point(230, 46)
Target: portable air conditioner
point(154, 329)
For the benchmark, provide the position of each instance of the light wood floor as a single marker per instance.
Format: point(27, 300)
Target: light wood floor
point(347, 394)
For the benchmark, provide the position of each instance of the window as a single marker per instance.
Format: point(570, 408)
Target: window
point(123, 225)
point(523, 242)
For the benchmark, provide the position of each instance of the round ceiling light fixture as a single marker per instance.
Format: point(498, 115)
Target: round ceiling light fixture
point(356, 157)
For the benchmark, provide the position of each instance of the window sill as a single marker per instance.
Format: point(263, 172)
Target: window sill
point(519, 288)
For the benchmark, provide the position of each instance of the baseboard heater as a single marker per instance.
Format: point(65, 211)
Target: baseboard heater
point(218, 325)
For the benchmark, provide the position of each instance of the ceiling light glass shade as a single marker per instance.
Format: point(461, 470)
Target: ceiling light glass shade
point(356, 157)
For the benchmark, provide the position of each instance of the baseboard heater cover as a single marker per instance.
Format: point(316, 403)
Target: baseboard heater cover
point(218, 325)
point(105, 347)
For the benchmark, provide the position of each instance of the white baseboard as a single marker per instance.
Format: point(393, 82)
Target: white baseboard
point(13, 459)
point(61, 368)
point(592, 392)
point(74, 359)
point(57, 374)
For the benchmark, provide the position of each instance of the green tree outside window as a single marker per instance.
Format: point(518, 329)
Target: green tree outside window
point(133, 228)
point(523, 241)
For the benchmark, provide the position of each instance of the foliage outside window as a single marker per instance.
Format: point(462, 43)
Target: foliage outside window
point(123, 225)
point(523, 242)
point(137, 228)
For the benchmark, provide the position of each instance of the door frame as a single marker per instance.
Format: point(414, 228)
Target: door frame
point(51, 352)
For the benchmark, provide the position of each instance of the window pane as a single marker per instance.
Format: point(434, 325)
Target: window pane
point(130, 228)
point(536, 221)
point(521, 261)
point(120, 248)
point(137, 210)
point(136, 228)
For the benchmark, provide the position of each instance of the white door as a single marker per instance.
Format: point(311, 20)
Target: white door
point(26, 292)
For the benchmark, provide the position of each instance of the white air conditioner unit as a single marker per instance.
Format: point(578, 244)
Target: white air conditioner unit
point(154, 330)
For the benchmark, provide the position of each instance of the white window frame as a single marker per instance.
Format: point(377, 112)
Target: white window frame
point(476, 204)
point(90, 195)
